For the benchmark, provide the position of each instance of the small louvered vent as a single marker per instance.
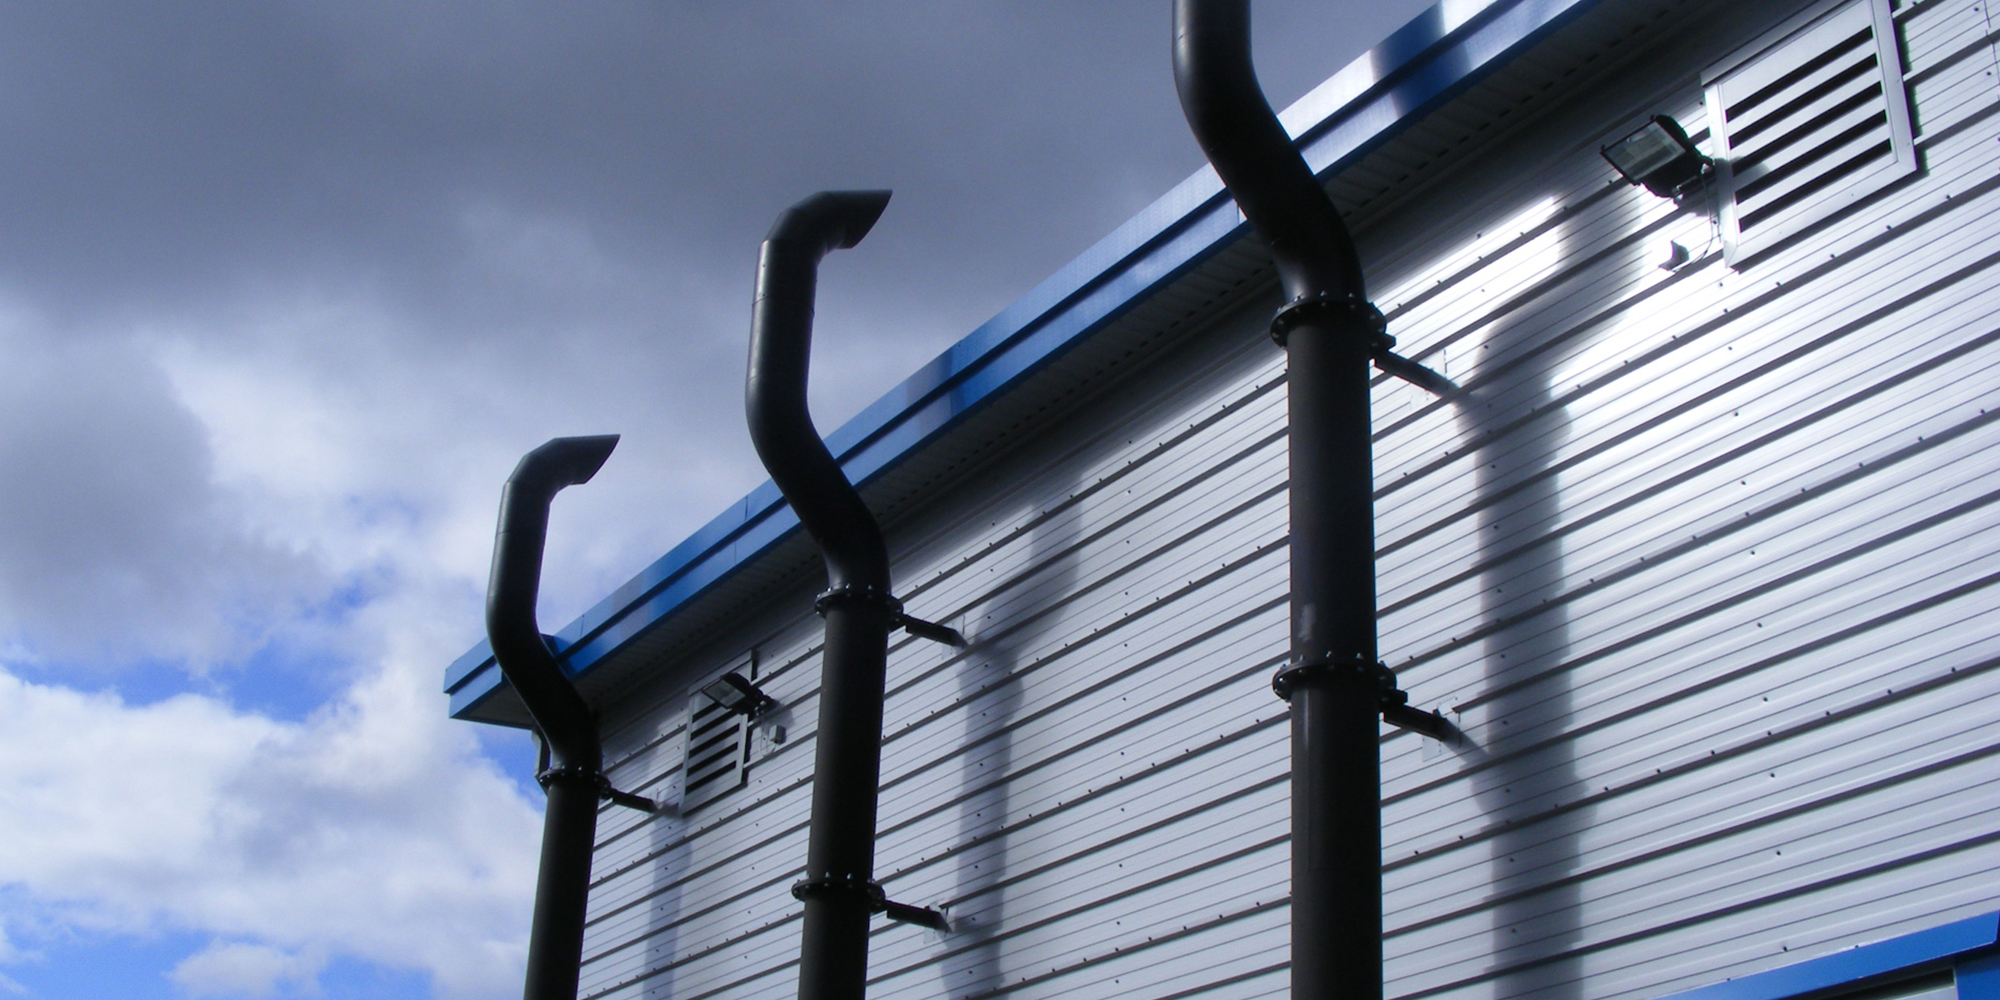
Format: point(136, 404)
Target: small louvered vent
point(718, 747)
point(1807, 121)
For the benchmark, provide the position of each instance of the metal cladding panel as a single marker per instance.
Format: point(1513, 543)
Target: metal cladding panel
point(1704, 560)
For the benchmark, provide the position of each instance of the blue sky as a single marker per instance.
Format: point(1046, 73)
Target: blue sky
point(129, 967)
point(286, 288)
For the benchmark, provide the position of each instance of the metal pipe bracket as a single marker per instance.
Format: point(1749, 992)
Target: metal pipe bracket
point(1395, 702)
point(870, 597)
point(585, 776)
point(871, 892)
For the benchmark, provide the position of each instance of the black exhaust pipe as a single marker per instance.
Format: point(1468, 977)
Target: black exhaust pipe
point(1330, 332)
point(839, 890)
point(572, 769)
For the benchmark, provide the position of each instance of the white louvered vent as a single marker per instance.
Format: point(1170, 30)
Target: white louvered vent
point(715, 761)
point(1806, 121)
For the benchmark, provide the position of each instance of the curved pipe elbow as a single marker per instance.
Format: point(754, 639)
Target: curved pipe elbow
point(1254, 156)
point(560, 463)
point(830, 220)
point(523, 655)
point(774, 395)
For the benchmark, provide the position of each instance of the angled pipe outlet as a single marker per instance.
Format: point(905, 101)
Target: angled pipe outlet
point(839, 890)
point(1337, 689)
point(781, 428)
point(573, 771)
point(1255, 157)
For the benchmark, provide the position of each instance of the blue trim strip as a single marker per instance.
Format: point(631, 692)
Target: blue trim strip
point(1421, 65)
point(1979, 978)
point(1863, 962)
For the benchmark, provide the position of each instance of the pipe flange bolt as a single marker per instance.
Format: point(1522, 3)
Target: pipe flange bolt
point(1384, 676)
point(1323, 305)
point(1393, 694)
point(861, 594)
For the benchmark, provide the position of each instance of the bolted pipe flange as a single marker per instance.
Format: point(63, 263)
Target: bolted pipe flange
point(571, 774)
point(1323, 304)
point(858, 594)
point(871, 893)
point(826, 886)
point(1303, 669)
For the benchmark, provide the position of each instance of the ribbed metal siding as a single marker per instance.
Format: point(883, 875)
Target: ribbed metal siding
point(1705, 563)
point(1704, 560)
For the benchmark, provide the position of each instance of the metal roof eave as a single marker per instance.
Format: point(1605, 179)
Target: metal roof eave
point(1421, 65)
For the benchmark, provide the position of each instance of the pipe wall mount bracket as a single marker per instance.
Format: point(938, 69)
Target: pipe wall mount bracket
point(871, 597)
point(871, 892)
point(1395, 702)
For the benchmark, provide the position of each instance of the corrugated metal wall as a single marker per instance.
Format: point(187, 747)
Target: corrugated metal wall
point(1704, 561)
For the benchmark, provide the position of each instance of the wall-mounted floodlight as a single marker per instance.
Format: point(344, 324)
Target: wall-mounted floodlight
point(1659, 156)
point(734, 692)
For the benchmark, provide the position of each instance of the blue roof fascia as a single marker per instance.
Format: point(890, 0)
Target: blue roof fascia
point(1421, 65)
point(1860, 963)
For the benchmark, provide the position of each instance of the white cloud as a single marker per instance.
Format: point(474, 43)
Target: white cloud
point(346, 430)
point(371, 829)
point(235, 969)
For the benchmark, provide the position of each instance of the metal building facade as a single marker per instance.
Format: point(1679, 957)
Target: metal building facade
point(1702, 558)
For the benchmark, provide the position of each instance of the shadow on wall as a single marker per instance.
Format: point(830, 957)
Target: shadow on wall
point(669, 854)
point(1521, 428)
point(990, 685)
point(667, 844)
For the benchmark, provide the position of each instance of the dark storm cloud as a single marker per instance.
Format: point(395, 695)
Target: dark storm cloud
point(113, 540)
point(162, 152)
point(541, 218)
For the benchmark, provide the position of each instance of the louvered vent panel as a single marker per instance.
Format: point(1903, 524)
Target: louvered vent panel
point(718, 747)
point(1806, 122)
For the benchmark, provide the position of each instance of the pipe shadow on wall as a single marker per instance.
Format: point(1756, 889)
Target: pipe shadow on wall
point(1521, 429)
point(669, 845)
point(989, 682)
